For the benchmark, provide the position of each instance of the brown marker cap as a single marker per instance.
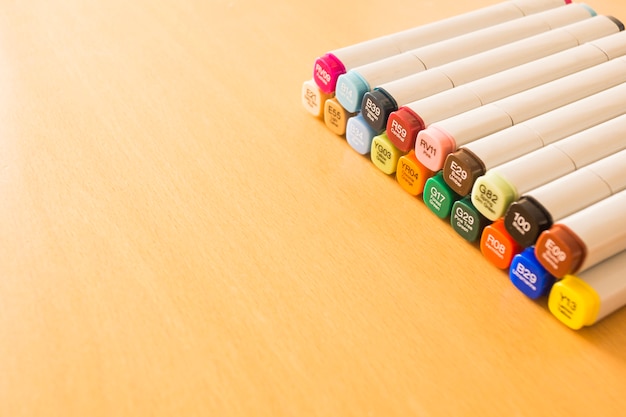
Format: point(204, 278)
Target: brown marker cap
point(535, 219)
point(461, 169)
point(560, 250)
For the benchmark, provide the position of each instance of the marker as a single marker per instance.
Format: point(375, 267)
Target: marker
point(359, 134)
point(386, 98)
point(412, 175)
point(584, 238)
point(336, 117)
point(313, 98)
point(500, 186)
point(384, 157)
point(352, 85)
point(404, 124)
point(402, 135)
point(438, 140)
point(438, 197)
point(497, 246)
point(529, 276)
point(462, 167)
point(327, 68)
point(584, 299)
point(539, 208)
point(468, 222)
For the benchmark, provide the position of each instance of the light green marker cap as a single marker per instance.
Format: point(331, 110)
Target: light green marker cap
point(492, 195)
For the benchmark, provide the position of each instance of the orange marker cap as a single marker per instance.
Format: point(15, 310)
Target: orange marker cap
point(336, 117)
point(411, 174)
point(498, 246)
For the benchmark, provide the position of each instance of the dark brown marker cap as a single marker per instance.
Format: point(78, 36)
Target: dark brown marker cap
point(461, 169)
point(525, 219)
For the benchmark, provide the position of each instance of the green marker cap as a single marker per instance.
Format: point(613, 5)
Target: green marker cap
point(438, 196)
point(467, 221)
point(492, 195)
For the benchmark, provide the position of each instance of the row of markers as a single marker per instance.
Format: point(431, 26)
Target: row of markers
point(510, 121)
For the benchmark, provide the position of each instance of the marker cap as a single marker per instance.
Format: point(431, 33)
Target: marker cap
point(403, 126)
point(618, 23)
point(411, 174)
point(359, 134)
point(492, 195)
point(460, 170)
point(529, 276)
point(574, 302)
point(313, 99)
point(326, 70)
point(439, 144)
point(468, 222)
point(376, 107)
point(525, 219)
point(384, 155)
point(497, 246)
point(336, 117)
point(589, 9)
point(560, 250)
point(350, 90)
point(438, 197)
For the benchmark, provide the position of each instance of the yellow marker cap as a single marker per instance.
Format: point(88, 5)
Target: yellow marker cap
point(384, 154)
point(574, 302)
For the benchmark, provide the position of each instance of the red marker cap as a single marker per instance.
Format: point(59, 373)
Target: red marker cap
point(403, 126)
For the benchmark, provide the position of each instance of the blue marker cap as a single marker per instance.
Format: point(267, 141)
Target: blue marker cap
point(529, 276)
point(351, 87)
point(359, 134)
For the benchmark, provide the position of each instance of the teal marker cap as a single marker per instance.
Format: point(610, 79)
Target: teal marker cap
point(351, 87)
point(592, 12)
point(438, 196)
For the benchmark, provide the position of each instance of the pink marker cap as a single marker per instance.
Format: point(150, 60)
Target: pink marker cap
point(432, 146)
point(326, 70)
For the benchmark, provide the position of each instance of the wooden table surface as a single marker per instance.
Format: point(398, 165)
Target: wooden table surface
point(179, 237)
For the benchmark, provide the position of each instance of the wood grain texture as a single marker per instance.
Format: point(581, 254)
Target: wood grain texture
point(179, 237)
